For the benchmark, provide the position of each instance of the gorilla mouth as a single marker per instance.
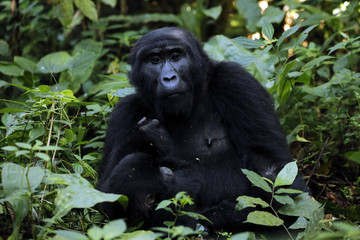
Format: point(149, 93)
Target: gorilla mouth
point(172, 95)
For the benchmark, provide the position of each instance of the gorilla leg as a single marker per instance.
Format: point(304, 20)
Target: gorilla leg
point(138, 177)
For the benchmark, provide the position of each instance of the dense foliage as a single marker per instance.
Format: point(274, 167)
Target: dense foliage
point(63, 67)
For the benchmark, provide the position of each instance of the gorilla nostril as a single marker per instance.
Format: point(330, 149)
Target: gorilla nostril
point(168, 79)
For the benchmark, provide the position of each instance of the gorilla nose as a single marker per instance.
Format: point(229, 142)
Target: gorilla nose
point(168, 79)
point(170, 82)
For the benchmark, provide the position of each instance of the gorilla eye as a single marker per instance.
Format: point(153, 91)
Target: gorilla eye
point(155, 59)
point(175, 56)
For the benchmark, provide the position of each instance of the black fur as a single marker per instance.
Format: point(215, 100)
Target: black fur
point(204, 120)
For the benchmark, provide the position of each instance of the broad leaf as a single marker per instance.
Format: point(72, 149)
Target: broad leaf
point(315, 62)
point(11, 69)
point(353, 156)
point(80, 196)
point(213, 12)
point(304, 206)
point(17, 181)
point(87, 7)
point(288, 33)
point(140, 235)
point(272, 15)
point(69, 235)
point(287, 175)
point(257, 180)
point(288, 191)
point(244, 236)
point(15, 177)
point(111, 3)
point(114, 229)
point(246, 201)
point(251, 11)
point(248, 43)
point(268, 30)
point(300, 223)
point(163, 204)
point(64, 11)
point(26, 64)
point(263, 218)
point(54, 62)
point(284, 199)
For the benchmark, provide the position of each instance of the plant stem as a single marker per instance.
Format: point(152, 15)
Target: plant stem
point(276, 214)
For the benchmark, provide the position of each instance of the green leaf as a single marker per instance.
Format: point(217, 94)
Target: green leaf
point(80, 196)
point(64, 11)
point(248, 43)
point(163, 204)
point(213, 12)
point(140, 235)
point(304, 206)
point(263, 218)
point(257, 180)
point(17, 181)
point(114, 229)
point(301, 139)
point(353, 156)
point(284, 85)
point(268, 30)
point(4, 48)
point(243, 236)
point(288, 33)
point(11, 69)
point(42, 156)
point(272, 15)
point(23, 145)
point(44, 88)
point(287, 175)
point(251, 11)
point(95, 233)
point(69, 235)
point(26, 64)
point(54, 62)
point(10, 148)
point(194, 215)
point(300, 223)
point(88, 45)
point(341, 45)
point(111, 3)
point(315, 62)
point(303, 35)
point(87, 7)
point(15, 177)
point(246, 201)
point(288, 191)
point(284, 199)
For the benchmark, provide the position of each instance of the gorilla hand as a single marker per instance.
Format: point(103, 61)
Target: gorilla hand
point(155, 135)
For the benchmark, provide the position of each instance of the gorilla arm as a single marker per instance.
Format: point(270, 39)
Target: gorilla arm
point(254, 130)
point(129, 132)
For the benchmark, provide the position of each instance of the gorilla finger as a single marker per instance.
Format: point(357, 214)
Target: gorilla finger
point(141, 122)
point(152, 124)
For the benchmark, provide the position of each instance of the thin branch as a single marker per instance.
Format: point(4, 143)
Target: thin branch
point(318, 160)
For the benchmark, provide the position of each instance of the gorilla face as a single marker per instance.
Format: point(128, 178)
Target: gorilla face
point(167, 72)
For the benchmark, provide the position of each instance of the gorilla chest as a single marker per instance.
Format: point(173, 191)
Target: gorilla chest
point(202, 141)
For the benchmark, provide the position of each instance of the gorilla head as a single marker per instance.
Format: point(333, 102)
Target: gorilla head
point(169, 69)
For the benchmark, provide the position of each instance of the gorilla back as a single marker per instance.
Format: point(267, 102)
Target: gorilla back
point(205, 120)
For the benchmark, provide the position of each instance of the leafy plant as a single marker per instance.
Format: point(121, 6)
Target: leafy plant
point(301, 206)
point(175, 206)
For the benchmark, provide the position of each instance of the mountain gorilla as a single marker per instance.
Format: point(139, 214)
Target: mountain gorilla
point(192, 125)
